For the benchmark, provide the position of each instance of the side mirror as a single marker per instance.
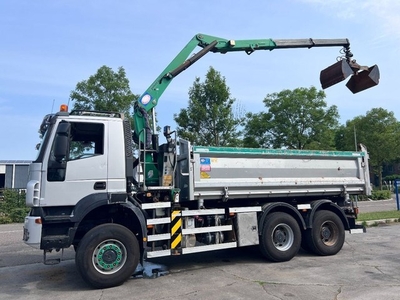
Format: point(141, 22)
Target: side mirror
point(61, 142)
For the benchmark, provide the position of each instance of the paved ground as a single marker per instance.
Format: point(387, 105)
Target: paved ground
point(381, 205)
point(366, 268)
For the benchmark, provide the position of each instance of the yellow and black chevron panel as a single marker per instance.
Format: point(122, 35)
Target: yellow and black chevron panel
point(176, 229)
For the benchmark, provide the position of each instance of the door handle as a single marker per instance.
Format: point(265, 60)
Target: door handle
point(100, 185)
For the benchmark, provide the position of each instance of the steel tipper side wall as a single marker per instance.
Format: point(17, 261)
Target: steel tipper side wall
point(229, 173)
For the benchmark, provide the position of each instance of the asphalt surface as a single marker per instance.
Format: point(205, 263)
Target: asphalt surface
point(366, 268)
point(379, 205)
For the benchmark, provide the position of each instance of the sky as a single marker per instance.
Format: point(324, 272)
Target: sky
point(47, 47)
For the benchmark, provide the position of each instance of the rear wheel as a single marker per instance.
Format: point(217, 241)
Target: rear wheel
point(280, 237)
point(107, 255)
point(326, 236)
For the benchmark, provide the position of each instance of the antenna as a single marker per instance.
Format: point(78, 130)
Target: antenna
point(52, 107)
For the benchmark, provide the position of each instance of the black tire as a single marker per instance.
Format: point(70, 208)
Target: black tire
point(326, 236)
point(280, 237)
point(107, 255)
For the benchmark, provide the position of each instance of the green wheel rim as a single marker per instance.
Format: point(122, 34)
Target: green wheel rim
point(109, 256)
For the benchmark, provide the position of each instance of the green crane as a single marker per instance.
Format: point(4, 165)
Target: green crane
point(362, 78)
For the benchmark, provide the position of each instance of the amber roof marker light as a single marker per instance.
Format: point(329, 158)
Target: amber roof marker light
point(64, 107)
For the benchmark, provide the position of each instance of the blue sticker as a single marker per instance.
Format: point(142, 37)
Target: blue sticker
point(205, 161)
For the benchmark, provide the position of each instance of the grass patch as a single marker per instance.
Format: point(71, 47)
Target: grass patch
point(391, 214)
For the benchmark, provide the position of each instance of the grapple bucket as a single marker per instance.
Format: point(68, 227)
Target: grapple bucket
point(336, 73)
point(364, 80)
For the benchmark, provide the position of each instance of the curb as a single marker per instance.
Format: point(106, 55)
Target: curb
point(378, 222)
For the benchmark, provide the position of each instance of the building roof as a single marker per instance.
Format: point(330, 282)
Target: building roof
point(15, 162)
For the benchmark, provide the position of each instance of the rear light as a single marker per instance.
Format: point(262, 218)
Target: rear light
point(356, 210)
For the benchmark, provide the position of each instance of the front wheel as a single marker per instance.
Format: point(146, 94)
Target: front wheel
point(107, 255)
point(326, 236)
point(280, 237)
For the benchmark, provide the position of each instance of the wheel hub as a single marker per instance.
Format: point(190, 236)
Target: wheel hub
point(108, 257)
point(282, 237)
point(279, 236)
point(329, 233)
point(326, 233)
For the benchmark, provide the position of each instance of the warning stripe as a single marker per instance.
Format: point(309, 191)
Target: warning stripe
point(176, 229)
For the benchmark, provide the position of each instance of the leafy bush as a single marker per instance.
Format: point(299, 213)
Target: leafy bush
point(5, 219)
point(391, 177)
point(12, 207)
point(376, 195)
point(18, 215)
point(381, 195)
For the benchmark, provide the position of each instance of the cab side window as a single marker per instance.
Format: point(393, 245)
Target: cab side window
point(85, 140)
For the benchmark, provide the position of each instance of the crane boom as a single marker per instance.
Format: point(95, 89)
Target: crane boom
point(150, 97)
point(329, 76)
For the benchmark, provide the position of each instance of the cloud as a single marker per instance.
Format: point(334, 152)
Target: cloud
point(381, 16)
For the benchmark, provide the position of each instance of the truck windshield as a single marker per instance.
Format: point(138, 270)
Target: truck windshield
point(45, 128)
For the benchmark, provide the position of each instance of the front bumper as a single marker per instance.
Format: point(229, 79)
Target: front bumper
point(32, 231)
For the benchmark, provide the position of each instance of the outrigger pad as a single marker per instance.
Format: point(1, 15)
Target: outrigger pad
point(336, 73)
point(364, 80)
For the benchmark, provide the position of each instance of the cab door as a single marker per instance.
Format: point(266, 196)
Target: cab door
point(77, 164)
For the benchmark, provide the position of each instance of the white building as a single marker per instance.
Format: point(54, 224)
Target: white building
point(14, 174)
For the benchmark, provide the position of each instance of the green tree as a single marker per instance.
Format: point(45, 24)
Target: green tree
point(12, 207)
point(211, 119)
point(295, 119)
point(379, 131)
point(104, 91)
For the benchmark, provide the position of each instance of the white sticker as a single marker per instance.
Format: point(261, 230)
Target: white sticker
point(145, 99)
